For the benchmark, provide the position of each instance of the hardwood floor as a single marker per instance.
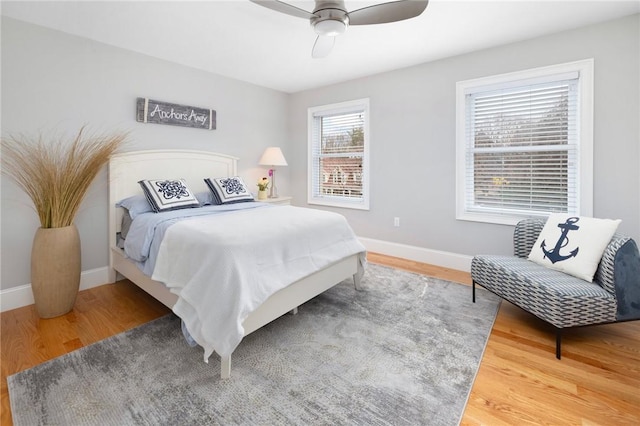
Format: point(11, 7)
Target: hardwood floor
point(519, 381)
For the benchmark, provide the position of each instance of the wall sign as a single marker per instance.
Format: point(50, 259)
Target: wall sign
point(150, 111)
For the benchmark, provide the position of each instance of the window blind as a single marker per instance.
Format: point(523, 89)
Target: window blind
point(522, 149)
point(337, 150)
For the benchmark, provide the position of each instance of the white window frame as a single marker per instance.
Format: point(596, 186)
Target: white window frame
point(313, 197)
point(584, 168)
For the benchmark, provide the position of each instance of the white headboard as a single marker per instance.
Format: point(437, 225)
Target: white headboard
point(126, 169)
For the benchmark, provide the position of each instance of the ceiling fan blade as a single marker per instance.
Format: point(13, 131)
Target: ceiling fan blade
point(322, 47)
point(280, 6)
point(387, 12)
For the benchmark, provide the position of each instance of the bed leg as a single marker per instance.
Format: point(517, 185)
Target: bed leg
point(356, 281)
point(225, 367)
point(294, 311)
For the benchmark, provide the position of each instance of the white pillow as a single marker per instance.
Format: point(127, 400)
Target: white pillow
point(164, 195)
point(228, 190)
point(573, 245)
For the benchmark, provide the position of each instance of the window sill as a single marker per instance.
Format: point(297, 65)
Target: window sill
point(497, 219)
point(359, 205)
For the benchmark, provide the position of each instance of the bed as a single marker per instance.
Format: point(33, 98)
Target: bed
point(126, 169)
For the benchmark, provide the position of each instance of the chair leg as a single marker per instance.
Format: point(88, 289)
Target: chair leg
point(473, 290)
point(558, 342)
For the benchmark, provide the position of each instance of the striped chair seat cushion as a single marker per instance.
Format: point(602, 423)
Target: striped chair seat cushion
point(556, 297)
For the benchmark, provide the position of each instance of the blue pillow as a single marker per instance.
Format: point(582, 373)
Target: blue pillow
point(205, 198)
point(136, 204)
point(228, 190)
point(168, 194)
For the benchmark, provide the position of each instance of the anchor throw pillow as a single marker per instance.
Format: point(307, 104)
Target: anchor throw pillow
point(573, 244)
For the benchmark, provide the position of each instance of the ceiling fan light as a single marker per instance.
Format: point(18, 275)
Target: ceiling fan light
point(329, 27)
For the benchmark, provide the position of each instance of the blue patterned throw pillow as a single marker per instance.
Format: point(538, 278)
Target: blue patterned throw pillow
point(164, 194)
point(228, 190)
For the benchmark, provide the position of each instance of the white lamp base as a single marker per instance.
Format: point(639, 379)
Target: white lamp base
point(273, 192)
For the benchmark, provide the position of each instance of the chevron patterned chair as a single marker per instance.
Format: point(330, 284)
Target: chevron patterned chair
point(560, 299)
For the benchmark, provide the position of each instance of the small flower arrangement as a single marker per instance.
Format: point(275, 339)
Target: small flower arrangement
point(263, 184)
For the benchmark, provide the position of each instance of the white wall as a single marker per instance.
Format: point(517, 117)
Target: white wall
point(54, 81)
point(413, 137)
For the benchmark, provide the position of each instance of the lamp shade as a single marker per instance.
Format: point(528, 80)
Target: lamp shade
point(273, 157)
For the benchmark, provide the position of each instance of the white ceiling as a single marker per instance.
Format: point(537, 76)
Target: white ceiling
point(240, 39)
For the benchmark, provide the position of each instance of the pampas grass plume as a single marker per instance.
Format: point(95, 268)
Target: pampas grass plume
point(56, 173)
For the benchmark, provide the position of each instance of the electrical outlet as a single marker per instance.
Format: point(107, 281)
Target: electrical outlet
point(396, 222)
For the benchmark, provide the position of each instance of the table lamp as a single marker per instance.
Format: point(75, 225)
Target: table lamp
point(273, 157)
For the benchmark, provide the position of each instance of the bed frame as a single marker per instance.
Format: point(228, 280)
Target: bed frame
point(126, 169)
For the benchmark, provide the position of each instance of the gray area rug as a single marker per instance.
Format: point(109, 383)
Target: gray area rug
point(403, 351)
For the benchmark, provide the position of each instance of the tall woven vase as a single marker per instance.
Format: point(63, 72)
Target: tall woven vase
point(55, 270)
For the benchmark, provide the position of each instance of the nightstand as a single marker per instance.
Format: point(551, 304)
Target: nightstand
point(284, 201)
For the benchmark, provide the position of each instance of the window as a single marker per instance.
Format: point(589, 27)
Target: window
point(525, 144)
point(339, 155)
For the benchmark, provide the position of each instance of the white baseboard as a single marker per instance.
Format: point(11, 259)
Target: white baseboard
point(419, 254)
point(17, 297)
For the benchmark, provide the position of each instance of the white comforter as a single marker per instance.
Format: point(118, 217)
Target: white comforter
point(224, 266)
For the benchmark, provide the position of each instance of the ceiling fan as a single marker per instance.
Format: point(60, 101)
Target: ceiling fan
point(330, 18)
